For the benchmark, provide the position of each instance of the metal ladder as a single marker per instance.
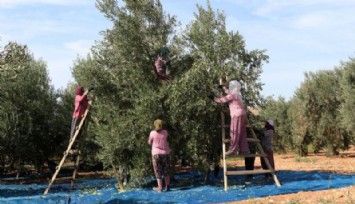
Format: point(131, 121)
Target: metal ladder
point(254, 139)
point(68, 152)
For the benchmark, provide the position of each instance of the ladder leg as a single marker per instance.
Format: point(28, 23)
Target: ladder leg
point(72, 140)
point(276, 179)
point(76, 166)
point(266, 161)
point(225, 178)
point(56, 173)
point(270, 169)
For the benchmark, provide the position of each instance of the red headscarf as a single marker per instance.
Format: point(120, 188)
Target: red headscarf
point(79, 90)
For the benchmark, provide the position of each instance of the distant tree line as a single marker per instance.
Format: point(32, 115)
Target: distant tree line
point(35, 118)
point(320, 114)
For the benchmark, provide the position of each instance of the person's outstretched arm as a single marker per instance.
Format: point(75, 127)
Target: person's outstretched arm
point(224, 99)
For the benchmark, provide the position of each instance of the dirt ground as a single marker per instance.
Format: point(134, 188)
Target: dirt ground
point(343, 164)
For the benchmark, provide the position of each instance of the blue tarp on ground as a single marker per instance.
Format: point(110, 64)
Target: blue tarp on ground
point(183, 190)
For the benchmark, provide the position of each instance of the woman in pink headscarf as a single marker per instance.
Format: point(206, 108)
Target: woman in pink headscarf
point(80, 105)
point(239, 120)
point(158, 139)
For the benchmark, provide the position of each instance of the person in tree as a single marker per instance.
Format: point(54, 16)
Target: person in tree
point(239, 120)
point(81, 103)
point(158, 139)
point(161, 64)
point(266, 143)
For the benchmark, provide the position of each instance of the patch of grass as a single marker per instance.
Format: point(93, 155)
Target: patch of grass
point(256, 202)
point(288, 201)
point(350, 200)
point(305, 159)
point(292, 202)
point(326, 201)
point(334, 201)
point(232, 159)
point(184, 182)
point(92, 191)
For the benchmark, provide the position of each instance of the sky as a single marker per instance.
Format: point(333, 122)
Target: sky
point(298, 35)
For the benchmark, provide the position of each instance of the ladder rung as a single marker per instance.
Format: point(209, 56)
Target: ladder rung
point(64, 178)
point(248, 139)
point(69, 168)
point(246, 172)
point(253, 140)
point(73, 152)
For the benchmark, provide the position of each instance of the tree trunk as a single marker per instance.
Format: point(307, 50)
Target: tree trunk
point(119, 178)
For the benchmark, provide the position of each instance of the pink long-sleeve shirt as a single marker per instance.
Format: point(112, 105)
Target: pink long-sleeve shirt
point(236, 106)
point(159, 142)
point(81, 104)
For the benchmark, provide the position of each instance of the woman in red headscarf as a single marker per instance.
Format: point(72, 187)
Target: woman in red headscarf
point(81, 104)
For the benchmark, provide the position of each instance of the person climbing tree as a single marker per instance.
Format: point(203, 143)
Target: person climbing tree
point(158, 139)
point(161, 64)
point(239, 120)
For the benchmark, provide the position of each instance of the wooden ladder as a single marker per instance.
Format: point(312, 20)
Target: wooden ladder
point(69, 152)
point(254, 139)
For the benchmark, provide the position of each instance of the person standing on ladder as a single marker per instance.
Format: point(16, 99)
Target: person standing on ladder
point(161, 64)
point(81, 103)
point(239, 120)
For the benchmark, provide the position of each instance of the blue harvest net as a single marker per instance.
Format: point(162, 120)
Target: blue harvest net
point(188, 188)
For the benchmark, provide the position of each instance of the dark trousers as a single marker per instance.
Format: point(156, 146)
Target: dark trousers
point(270, 157)
point(249, 165)
point(75, 123)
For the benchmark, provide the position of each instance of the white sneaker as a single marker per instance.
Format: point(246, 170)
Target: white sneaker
point(229, 153)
